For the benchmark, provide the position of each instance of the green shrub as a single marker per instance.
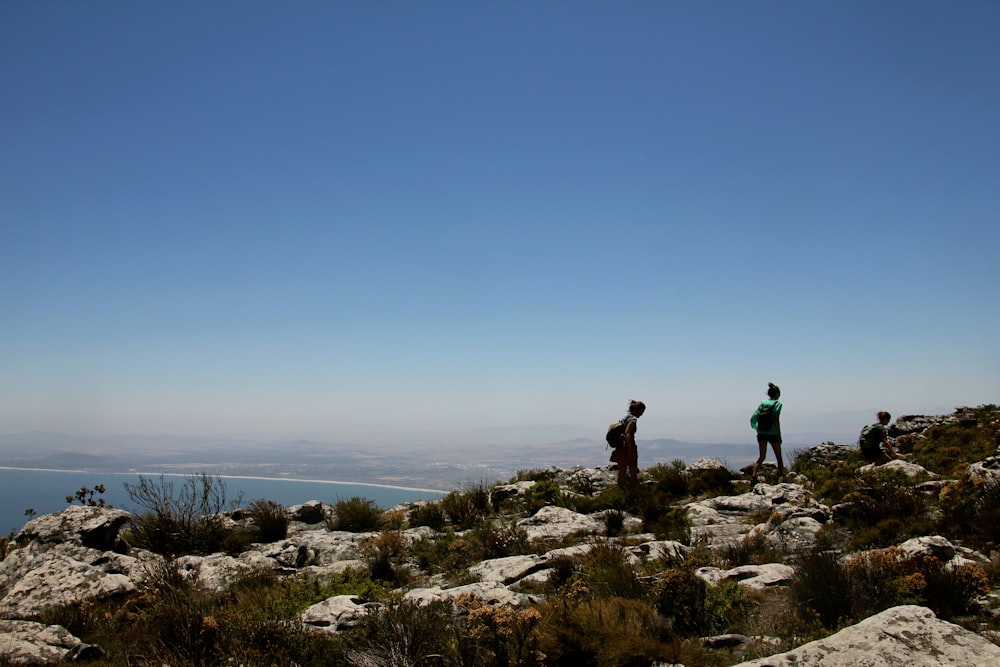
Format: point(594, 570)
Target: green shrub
point(545, 492)
point(884, 509)
point(355, 515)
point(429, 514)
point(404, 633)
point(711, 482)
point(498, 539)
point(727, 608)
point(948, 449)
point(270, 522)
point(609, 572)
point(180, 521)
point(447, 552)
point(970, 511)
point(614, 523)
point(576, 629)
point(752, 549)
point(679, 596)
point(667, 522)
point(670, 481)
point(467, 508)
point(612, 497)
point(384, 555)
point(822, 586)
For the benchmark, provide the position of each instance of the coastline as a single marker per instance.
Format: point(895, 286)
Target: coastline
point(249, 477)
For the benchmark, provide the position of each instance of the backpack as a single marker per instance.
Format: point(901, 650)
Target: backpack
point(870, 438)
point(765, 416)
point(616, 434)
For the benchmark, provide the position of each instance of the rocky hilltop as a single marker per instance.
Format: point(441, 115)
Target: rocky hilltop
point(837, 563)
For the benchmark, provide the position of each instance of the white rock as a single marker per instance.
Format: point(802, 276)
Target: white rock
point(490, 592)
point(911, 470)
point(756, 577)
point(507, 570)
point(551, 522)
point(907, 636)
point(335, 613)
point(30, 643)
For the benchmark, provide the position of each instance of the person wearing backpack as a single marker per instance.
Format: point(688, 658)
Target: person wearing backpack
point(627, 455)
point(765, 420)
point(874, 441)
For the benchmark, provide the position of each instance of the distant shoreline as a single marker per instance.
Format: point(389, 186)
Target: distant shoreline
point(253, 477)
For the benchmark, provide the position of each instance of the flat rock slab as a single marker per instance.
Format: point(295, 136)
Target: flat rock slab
point(906, 636)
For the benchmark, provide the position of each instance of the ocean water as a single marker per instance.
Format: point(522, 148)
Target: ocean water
point(45, 491)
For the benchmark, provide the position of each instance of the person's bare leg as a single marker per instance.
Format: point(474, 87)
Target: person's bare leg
point(777, 455)
point(762, 447)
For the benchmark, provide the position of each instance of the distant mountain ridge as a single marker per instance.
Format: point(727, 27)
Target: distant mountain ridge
point(444, 466)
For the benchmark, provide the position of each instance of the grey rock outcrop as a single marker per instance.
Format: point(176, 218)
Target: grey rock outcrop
point(906, 636)
point(91, 527)
point(724, 520)
point(335, 614)
point(756, 577)
point(30, 643)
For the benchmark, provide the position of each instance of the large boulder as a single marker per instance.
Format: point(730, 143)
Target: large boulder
point(93, 527)
point(336, 613)
point(39, 576)
point(907, 636)
point(30, 643)
point(555, 523)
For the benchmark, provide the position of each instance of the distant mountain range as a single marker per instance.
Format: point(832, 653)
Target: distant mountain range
point(439, 467)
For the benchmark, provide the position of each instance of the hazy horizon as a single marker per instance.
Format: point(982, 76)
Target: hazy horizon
point(477, 223)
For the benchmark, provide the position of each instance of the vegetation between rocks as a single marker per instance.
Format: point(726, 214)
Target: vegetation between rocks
point(594, 606)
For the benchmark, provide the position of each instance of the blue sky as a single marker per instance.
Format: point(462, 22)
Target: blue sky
point(408, 223)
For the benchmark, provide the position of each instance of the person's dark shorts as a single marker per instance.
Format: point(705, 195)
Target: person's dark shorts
point(871, 455)
point(765, 438)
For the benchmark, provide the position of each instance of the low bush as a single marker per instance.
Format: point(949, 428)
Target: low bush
point(467, 508)
point(970, 511)
point(429, 514)
point(754, 548)
point(822, 587)
point(545, 492)
point(667, 522)
point(179, 521)
point(404, 633)
point(842, 591)
point(446, 553)
point(355, 515)
point(270, 522)
point(498, 539)
point(578, 630)
point(711, 482)
point(669, 481)
point(609, 572)
point(947, 449)
point(384, 555)
point(679, 596)
point(884, 509)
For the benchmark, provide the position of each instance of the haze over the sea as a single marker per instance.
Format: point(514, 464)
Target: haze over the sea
point(406, 226)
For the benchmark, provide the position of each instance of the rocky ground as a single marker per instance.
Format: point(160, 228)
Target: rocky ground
point(77, 555)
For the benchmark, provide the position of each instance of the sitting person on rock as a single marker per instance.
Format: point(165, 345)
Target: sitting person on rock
point(874, 441)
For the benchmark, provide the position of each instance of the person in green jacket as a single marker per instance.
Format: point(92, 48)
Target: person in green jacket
point(766, 421)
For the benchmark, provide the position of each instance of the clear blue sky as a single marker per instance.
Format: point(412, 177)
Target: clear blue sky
point(402, 222)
